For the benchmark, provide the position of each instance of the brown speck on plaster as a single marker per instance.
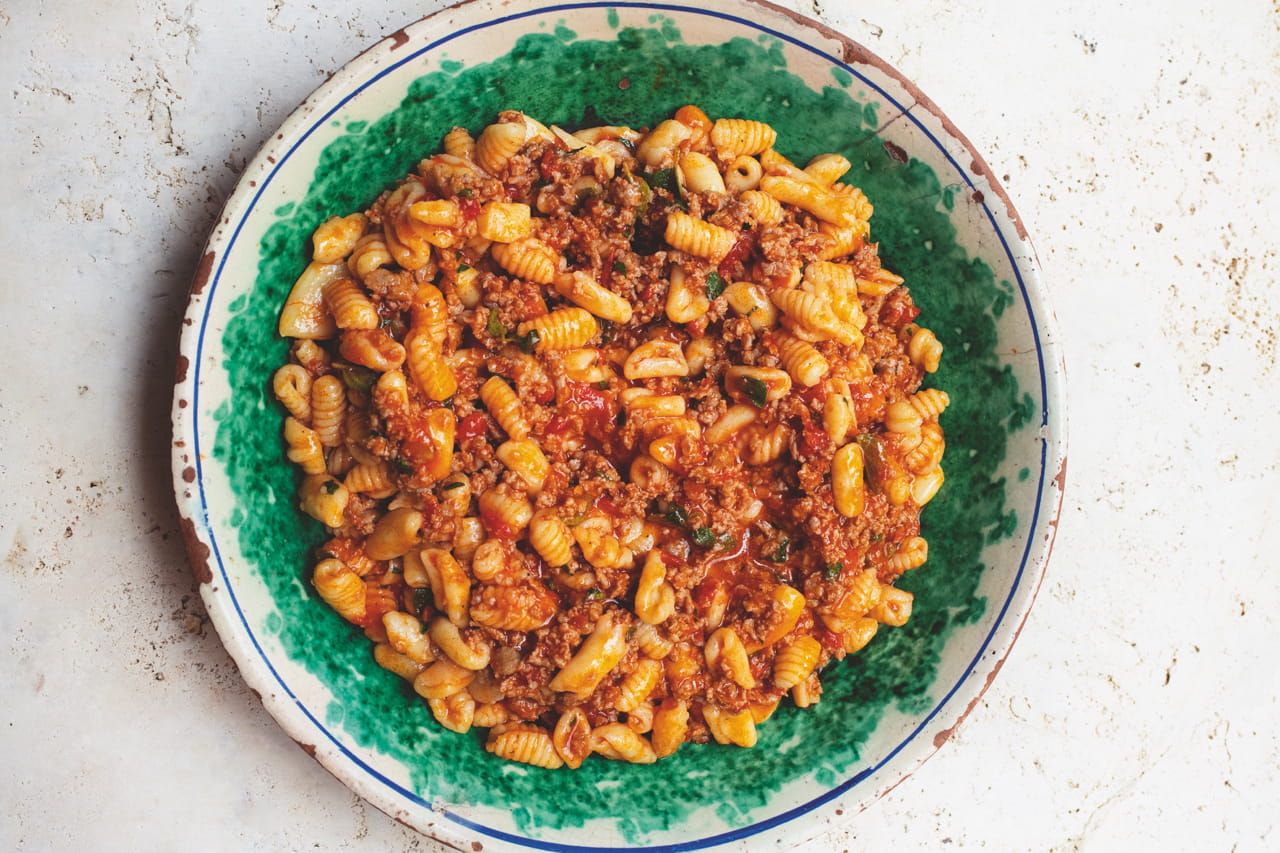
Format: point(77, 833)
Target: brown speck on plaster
point(399, 39)
point(189, 474)
point(197, 552)
point(477, 846)
point(308, 748)
point(180, 372)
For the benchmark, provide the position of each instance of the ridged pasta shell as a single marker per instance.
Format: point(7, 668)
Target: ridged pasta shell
point(794, 662)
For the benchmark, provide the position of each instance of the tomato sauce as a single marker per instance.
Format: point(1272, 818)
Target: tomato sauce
point(472, 426)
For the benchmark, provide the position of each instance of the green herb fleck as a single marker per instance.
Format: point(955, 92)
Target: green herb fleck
point(421, 597)
point(357, 377)
point(456, 484)
point(530, 342)
point(663, 179)
point(678, 515)
point(877, 536)
point(494, 326)
point(832, 571)
point(402, 465)
point(704, 537)
point(781, 552)
point(331, 486)
point(602, 385)
point(619, 268)
point(755, 389)
point(463, 267)
point(594, 594)
point(715, 284)
point(645, 195)
point(466, 192)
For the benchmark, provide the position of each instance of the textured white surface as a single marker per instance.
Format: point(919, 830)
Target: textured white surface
point(1137, 710)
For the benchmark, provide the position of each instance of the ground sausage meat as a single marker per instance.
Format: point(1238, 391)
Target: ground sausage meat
point(628, 447)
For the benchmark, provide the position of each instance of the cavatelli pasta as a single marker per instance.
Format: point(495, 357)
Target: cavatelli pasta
point(527, 746)
point(698, 237)
point(292, 386)
point(621, 743)
point(795, 661)
point(328, 409)
point(527, 258)
point(341, 588)
point(806, 365)
point(305, 448)
point(555, 397)
point(505, 406)
point(583, 290)
point(564, 328)
point(638, 684)
point(458, 142)
point(498, 143)
point(550, 537)
point(734, 136)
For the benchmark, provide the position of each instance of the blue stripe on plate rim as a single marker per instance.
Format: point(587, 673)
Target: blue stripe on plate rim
point(741, 832)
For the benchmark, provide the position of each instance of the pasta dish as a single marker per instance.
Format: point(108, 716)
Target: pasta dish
point(619, 435)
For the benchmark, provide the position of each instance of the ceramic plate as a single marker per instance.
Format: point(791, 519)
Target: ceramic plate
point(942, 222)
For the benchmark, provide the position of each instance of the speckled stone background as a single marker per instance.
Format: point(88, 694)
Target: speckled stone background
point(1138, 709)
